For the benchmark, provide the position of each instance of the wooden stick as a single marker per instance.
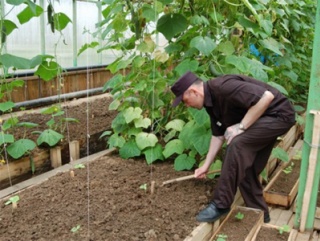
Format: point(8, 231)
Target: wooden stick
point(186, 177)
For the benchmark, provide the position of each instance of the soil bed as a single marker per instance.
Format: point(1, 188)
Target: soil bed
point(286, 181)
point(268, 234)
point(106, 200)
point(234, 229)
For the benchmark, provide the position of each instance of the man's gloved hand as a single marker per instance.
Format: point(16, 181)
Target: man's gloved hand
point(231, 132)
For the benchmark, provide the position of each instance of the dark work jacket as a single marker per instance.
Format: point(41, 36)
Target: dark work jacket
point(228, 98)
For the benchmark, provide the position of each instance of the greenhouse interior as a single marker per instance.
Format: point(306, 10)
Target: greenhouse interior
point(160, 120)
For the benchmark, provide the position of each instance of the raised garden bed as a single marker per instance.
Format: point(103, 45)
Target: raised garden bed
point(93, 109)
point(234, 228)
point(283, 187)
point(107, 200)
point(267, 232)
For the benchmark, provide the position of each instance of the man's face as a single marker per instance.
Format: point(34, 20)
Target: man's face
point(192, 98)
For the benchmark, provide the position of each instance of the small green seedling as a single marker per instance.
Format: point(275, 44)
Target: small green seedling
point(239, 216)
point(222, 237)
point(13, 200)
point(79, 166)
point(288, 169)
point(284, 228)
point(75, 229)
point(143, 187)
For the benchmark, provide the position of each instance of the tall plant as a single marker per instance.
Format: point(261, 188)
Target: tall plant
point(269, 40)
point(46, 67)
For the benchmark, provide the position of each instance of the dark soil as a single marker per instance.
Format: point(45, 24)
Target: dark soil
point(268, 234)
point(286, 181)
point(106, 200)
point(93, 118)
point(235, 229)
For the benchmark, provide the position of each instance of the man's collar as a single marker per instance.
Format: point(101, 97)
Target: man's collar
point(208, 97)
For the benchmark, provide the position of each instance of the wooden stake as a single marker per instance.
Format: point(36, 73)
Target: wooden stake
point(14, 205)
point(55, 157)
point(153, 183)
point(74, 149)
point(71, 173)
point(187, 177)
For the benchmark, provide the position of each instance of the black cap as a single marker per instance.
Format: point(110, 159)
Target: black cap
point(181, 85)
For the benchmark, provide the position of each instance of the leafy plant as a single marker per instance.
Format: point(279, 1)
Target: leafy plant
point(280, 153)
point(75, 228)
point(50, 136)
point(222, 237)
point(239, 216)
point(200, 38)
point(79, 166)
point(143, 187)
point(12, 200)
point(289, 168)
point(284, 228)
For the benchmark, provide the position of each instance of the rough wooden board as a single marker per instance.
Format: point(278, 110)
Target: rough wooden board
point(283, 218)
point(303, 236)
point(201, 233)
point(315, 236)
point(43, 177)
point(316, 224)
point(274, 215)
point(293, 235)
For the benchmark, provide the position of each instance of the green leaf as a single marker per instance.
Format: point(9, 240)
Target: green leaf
point(226, 48)
point(114, 105)
point(75, 229)
point(184, 162)
point(20, 147)
point(28, 13)
point(172, 24)
point(105, 133)
point(87, 46)
point(149, 12)
point(129, 149)
point(116, 141)
point(173, 146)
point(50, 110)
point(50, 137)
point(142, 122)
point(6, 106)
point(153, 153)
point(144, 140)
point(13, 199)
point(280, 154)
point(8, 61)
point(15, 2)
point(132, 113)
point(267, 26)
point(200, 116)
point(187, 65)
point(176, 124)
point(170, 135)
point(6, 138)
point(27, 124)
point(272, 45)
point(278, 87)
point(9, 26)
point(185, 134)
point(204, 44)
point(61, 21)
point(48, 70)
point(200, 138)
point(113, 82)
point(79, 166)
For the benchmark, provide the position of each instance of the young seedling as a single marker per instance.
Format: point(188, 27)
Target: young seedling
point(239, 216)
point(222, 237)
point(288, 169)
point(14, 201)
point(284, 228)
point(79, 166)
point(75, 229)
point(144, 187)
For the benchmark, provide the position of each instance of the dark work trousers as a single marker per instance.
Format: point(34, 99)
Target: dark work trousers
point(246, 157)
